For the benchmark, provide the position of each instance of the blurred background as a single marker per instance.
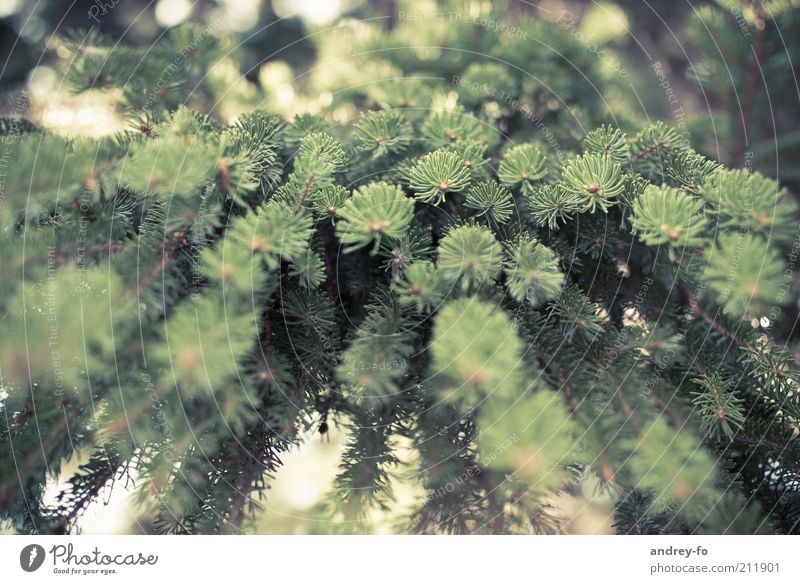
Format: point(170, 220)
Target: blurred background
point(732, 65)
point(724, 71)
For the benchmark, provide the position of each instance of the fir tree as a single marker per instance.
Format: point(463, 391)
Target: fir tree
point(185, 300)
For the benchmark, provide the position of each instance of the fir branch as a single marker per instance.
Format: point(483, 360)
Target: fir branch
point(47, 445)
point(304, 195)
point(512, 348)
point(253, 469)
point(693, 302)
point(649, 150)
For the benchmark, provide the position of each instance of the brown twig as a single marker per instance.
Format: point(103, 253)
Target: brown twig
point(306, 190)
point(694, 306)
point(251, 473)
point(658, 144)
point(166, 257)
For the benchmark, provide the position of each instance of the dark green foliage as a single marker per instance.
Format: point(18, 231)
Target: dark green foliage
point(523, 315)
point(745, 68)
point(490, 200)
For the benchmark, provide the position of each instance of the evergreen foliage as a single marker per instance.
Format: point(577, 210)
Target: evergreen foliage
point(521, 166)
point(185, 301)
point(437, 174)
point(375, 210)
point(665, 215)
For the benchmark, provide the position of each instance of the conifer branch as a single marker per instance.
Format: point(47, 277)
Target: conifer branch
point(252, 470)
point(494, 289)
point(649, 150)
point(167, 255)
point(60, 257)
point(304, 195)
point(693, 302)
point(45, 447)
point(676, 419)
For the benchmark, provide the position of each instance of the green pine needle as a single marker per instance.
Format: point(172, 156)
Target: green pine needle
point(475, 351)
point(745, 273)
point(522, 166)
point(319, 154)
point(421, 286)
point(533, 272)
point(609, 142)
point(276, 232)
point(303, 125)
point(752, 202)
point(328, 200)
point(485, 82)
point(375, 363)
point(382, 133)
point(443, 128)
point(668, 215)
point(437, 174)
point(471, 254)
point(596, 179)
point(721, 409)
point(491, 200)
point(550, 205)
point(374, 211)
point(473, 156)
point(309, 268)
point(577, 315)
